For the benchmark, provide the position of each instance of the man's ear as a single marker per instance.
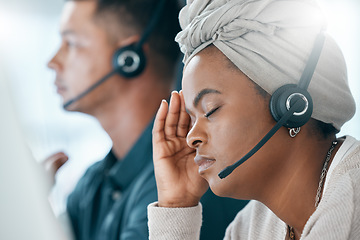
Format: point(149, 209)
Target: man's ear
point(133, 40)
point(128, 41)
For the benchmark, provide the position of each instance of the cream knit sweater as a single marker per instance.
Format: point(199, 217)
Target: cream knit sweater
point(337, 216)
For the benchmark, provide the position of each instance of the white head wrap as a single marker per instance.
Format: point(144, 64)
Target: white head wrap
point(270, 41)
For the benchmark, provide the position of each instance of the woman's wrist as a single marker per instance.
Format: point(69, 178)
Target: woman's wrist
point(178, 203)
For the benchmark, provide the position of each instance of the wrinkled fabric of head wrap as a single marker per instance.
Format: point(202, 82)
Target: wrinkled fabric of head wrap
point(270, 41)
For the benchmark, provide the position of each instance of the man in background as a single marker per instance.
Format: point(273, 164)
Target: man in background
point(117, 61)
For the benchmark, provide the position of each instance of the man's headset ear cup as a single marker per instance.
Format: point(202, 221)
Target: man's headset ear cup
point(284, 97)
point(129, 61)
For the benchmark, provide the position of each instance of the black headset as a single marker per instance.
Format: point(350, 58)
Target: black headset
point(285, 97)
point(290, 105)
point(130, 61)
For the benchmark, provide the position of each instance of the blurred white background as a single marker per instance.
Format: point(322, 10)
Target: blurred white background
point(28, 39)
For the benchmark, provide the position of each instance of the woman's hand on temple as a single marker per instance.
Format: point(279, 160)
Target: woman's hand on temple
point(178, 181)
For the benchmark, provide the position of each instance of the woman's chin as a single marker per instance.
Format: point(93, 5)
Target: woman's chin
point(220, 187)
point(226, 187)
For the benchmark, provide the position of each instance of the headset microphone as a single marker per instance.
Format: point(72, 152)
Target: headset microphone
point(297, 106)
point(290, 105)
point(92, 87)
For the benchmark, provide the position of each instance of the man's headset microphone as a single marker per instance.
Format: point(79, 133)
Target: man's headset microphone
point(290, 105)
point(128, 61)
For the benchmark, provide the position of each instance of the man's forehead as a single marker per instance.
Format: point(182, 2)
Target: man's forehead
point(77, 12)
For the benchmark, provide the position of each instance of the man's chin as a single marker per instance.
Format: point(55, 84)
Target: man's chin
point(69, 106)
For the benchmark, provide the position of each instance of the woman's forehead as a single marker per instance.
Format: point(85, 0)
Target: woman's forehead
point(202, 70)
point(206, 72)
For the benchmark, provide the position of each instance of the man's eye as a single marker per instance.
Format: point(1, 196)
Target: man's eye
point(208, 114)
point(71, 44)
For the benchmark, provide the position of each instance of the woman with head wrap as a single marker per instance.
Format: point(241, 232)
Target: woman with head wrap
point(303, 182)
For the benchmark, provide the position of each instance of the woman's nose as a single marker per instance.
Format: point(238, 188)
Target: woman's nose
point(196, 136)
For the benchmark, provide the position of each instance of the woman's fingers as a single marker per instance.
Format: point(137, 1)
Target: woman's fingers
point(172, 122)
point(184, 119)
point(159, 123)
point(172, 118)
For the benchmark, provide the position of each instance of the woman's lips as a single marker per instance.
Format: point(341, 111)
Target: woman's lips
point(203, 162)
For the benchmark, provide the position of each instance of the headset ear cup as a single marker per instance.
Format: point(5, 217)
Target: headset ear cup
point(129, 61)
point(283, 98)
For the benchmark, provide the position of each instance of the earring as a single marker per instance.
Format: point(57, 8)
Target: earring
point(294, 131)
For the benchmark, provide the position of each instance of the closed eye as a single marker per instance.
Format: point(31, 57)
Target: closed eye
point(208, 114)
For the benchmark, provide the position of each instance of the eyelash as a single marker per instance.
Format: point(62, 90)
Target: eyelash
point(208, 114)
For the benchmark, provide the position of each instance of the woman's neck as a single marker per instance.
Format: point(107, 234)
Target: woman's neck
point(292, 194)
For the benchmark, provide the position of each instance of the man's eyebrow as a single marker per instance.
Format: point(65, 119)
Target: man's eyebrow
point(67, 32)
point(203, 93)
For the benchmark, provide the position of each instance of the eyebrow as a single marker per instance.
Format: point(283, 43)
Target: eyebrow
point(67, 32)
point(202, 93)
